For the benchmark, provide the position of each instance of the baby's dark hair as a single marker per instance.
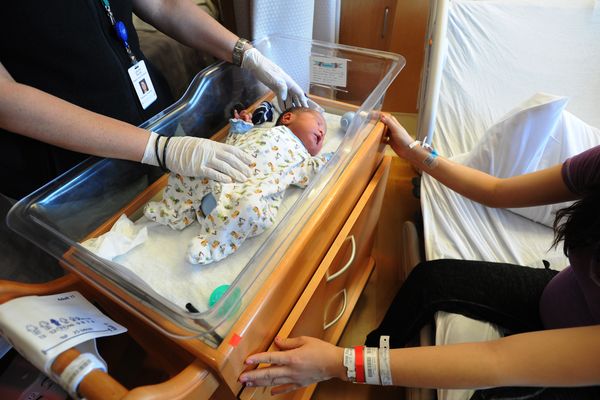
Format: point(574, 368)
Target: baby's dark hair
point(292, 110)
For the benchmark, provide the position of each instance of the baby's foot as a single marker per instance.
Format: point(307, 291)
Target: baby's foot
point(204, 250)
point(199, 251)
point(177, 218)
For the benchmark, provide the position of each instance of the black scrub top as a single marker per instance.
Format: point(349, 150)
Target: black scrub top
point(67, 48)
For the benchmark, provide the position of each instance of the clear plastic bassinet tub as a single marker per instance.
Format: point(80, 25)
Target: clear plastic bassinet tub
point(86, 201)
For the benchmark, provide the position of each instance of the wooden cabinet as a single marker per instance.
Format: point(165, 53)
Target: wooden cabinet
point(328, 300)
point(395, 26)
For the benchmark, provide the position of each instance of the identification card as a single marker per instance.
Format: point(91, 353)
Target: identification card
point(140, 78)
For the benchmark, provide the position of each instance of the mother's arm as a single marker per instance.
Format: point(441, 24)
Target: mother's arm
point(554, 358)
point(537, 188)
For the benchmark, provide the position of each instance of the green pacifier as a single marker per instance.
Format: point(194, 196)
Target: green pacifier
point(231, 305)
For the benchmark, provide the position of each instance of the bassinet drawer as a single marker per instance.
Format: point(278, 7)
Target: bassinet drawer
point(328, 300)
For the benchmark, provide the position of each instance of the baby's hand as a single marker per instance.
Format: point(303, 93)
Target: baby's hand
point(243, 115)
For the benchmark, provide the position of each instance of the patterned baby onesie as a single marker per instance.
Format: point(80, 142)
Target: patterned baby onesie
point(243, 209)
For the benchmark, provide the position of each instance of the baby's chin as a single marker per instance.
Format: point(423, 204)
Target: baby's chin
point(314, 150)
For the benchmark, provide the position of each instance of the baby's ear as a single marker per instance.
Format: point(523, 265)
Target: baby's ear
point(287, 117)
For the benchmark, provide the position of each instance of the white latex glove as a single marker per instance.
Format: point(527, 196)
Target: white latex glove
point(288, 92)
point(192, 156)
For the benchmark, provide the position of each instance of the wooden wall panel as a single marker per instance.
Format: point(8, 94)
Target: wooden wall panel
point(362, 25)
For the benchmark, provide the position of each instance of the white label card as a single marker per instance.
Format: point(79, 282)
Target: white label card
point(140, 78)
point(330, 71)
point(42, 327)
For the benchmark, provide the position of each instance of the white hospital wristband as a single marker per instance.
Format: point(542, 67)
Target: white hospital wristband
point(349, 362)
point(371, 366)
point(385, 372)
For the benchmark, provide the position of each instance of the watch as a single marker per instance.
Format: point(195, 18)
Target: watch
point(238, 51)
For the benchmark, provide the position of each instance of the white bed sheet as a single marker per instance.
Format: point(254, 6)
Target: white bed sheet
point(499, 54)
point(159, 261)
point(456, 227)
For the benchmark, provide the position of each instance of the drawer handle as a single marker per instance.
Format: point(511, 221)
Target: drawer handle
point(327, 325)
point(386, 14)
point(348, 264)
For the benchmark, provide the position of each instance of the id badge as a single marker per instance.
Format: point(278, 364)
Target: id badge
point(142, 84)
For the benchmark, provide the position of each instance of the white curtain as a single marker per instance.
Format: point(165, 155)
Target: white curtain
point(327, 20)
point(318, 19)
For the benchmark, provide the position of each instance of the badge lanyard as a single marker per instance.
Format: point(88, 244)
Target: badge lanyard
point(138, 72)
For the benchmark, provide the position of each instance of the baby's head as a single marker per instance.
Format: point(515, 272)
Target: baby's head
point(307, 124)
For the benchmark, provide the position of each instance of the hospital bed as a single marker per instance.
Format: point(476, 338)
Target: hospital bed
point(484, 58)
point(302, 277)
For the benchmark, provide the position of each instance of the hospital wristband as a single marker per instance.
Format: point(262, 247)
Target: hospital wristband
point(359, 364)
point(349, 361)
point(371, 366)
point(385, 372)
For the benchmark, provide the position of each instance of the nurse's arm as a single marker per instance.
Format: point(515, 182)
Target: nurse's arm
point(187, 23)
point(39, 115)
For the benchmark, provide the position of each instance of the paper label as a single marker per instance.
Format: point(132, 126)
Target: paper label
point(42, 327)
point(330, 71)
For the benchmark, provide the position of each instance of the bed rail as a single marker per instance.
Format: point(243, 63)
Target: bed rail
point(435, 50)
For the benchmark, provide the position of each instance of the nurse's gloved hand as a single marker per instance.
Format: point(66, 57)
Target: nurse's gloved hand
point(192, 156)
point(288, 92)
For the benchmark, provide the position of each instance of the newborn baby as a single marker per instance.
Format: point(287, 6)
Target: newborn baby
point(286, 154)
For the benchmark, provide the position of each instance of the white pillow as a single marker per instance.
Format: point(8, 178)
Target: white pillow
point(537, 134)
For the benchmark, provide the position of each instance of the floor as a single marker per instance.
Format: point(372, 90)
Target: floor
point(369, 311)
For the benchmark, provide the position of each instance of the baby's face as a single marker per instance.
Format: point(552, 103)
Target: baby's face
point(310, 128)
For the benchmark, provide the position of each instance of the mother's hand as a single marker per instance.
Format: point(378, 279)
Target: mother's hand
point(399, 139)
point(302, 361)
